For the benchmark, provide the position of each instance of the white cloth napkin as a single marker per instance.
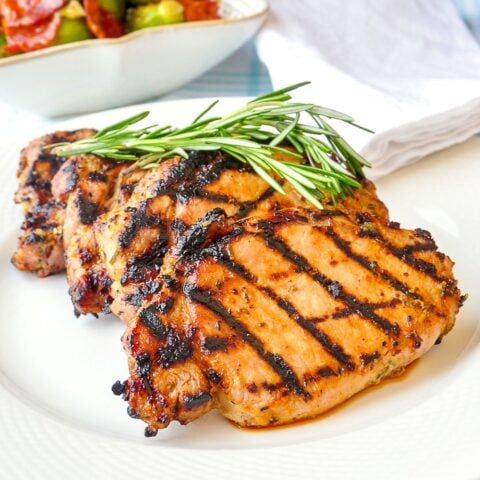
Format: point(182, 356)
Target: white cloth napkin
point(407, 69)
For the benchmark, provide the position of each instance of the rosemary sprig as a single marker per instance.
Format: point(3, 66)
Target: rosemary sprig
point(254, 134)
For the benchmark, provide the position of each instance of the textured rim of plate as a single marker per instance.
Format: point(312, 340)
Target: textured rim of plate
point(420, 443)
point(260, 9)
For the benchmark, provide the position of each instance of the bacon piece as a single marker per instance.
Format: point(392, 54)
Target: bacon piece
point(31, 37)
point(101, 22)
point(200, 10)
point(20, 13)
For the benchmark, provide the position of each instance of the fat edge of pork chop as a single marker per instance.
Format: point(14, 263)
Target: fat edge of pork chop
point(261, 326)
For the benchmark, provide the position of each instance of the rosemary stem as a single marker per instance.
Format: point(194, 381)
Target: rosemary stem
point(256, 134)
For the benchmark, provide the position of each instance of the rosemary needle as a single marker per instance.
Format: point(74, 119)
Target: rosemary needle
point(253, 134)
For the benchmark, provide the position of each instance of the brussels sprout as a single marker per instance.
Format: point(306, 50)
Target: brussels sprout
point(116, 7)
point(163, 13)
point(73, 9)
point(172, 11)
point(72, 30)
point(3, 42)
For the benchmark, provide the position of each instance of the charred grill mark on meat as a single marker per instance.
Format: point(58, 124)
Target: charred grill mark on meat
point(209, 173)
point(41, 182)
point(148, 316)
point(213, 166)
point(332, 348)
point(247, 207)
point(94, 281)
point(143, 267)
point(181, 171)
point(212, 197)
point(347, 312)
point(371, 266)
point(140, 219)
point(150, 287)
point(195, 236)
point(215, 344)
point(206, 175)
point(367, 359)
point(176, 349)
point(334, 288)
point(276, 362)
point(87, 210)
point(405, 254)
point(98, 176)
point(194, 401)
point(71, 176)
point(40, 246)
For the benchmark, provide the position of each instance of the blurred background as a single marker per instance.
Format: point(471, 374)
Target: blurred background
point(242, 74)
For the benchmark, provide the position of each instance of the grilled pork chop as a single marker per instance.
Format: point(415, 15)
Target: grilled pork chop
point(40, 245)
point(277, 319)
point(89, 186)
point(85, 184)
point(236, 297)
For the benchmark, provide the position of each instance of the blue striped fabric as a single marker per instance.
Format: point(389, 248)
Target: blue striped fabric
point(470, 12)
point(242, 74)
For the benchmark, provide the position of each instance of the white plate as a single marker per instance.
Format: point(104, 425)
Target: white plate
point(103, 73)
point(59, 418)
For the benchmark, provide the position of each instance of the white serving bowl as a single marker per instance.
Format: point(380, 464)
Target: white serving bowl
point(103, 73)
